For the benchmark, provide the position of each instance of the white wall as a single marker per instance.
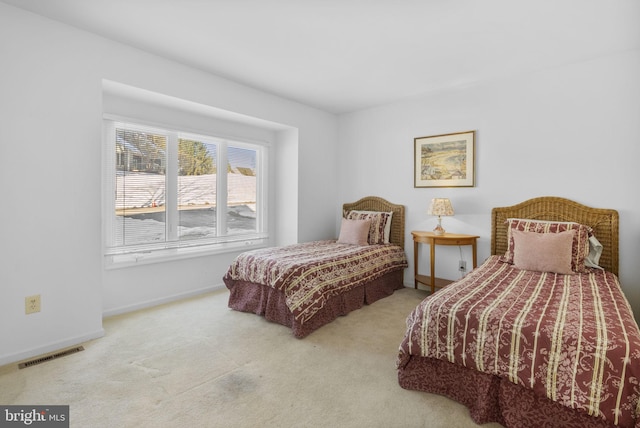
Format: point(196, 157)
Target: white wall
point(50, 147)
point(571, 131)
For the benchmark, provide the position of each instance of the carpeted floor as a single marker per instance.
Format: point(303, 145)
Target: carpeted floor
point(196, 363)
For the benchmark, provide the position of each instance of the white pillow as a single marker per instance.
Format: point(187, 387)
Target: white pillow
point(595, 251)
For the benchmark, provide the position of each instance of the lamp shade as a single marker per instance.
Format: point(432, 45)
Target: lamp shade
point(440, 207)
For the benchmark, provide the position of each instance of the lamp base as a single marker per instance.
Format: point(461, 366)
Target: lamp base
point(439, 230)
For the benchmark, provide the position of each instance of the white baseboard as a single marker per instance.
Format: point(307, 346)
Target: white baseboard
point(160, 301)
point(49, 348)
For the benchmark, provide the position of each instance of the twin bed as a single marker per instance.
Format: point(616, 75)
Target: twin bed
point(553, 344)
point(306, 286)
point(539, 335)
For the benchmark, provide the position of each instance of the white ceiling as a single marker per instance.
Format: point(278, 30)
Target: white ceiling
point(346, 55)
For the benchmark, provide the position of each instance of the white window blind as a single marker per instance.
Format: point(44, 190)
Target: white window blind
point(167, 190)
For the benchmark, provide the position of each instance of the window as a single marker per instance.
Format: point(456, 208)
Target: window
point(170, 193)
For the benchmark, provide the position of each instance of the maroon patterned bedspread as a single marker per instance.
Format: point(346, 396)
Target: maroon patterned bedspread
point(571, 338)
point(311, 273)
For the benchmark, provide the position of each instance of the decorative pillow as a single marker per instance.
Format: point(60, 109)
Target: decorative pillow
point(354, 232)
point(579, 249)
point(543, 252)
point(380, 224)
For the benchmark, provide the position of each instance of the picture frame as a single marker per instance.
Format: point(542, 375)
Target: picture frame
point(446, 160)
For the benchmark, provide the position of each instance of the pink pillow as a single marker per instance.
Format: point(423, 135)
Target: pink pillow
point(354, 232)
point(579, 249)
point(543, 252)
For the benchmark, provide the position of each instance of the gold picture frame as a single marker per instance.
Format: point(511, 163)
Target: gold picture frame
point(446, 160)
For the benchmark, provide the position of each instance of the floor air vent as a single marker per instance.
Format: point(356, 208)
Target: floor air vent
point(50, 357)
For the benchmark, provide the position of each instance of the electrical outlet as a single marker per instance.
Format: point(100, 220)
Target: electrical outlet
point(462, 266)
point(32, 304)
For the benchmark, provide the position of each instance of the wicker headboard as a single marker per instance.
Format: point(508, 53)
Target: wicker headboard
point(603, 221)
point(374, 203)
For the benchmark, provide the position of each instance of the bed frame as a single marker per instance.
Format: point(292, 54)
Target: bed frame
point(270, 303)
point(491, 398)
point(603, 221)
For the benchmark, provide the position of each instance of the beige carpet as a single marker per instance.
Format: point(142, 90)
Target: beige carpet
point(196, 363)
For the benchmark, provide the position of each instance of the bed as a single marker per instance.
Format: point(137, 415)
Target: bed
point(305, 286)
point(528, 348)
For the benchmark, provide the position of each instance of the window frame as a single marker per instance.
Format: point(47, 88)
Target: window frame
point(172, 248)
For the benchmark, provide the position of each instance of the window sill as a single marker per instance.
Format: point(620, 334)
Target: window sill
point(156, 256)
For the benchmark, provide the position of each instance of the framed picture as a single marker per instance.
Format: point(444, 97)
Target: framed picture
point(444, 160)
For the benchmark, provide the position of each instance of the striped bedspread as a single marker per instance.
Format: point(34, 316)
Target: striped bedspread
point(571, 338)
point(311, 273)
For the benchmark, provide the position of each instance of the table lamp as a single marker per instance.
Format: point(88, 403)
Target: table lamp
point(440, 207)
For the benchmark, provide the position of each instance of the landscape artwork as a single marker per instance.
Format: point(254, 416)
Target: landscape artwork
point(444, 160)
